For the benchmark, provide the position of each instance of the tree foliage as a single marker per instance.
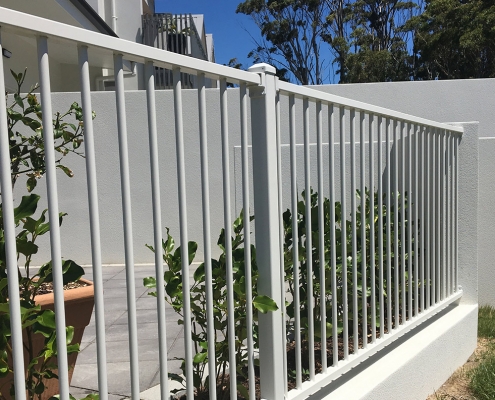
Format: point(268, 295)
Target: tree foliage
point(379, 39)
point(291, 36)
point(456, 39)
point(374, 40)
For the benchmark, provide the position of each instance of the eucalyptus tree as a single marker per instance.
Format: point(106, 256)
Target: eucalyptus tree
point(455, 39)
point(291, 37)
point(379, 40)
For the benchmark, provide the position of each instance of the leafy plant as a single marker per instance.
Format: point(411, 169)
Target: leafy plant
point(173, 288)
point(27, 156)
point(27, 151)
point(361, 250)
point(173, 279)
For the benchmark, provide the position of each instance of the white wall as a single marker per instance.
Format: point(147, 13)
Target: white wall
point(73, 194)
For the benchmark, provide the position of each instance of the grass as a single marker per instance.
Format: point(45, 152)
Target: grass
point(475, 380)
point(482, 377)
point(486, 322)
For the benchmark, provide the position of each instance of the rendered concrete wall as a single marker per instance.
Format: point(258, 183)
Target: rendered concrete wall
point(447, 101)
point(73, 196)
point(416, 365)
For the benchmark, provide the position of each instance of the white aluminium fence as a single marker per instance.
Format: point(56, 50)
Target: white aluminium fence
point(365, 252)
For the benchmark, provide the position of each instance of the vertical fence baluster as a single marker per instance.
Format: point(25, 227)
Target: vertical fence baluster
point(432, 243)
point(438, 215)
point(94, 221)
point(381, 298)
point(281, 228)
point(452, 212)
point(421, 199)
point(442, 214)
point(447, 214)
point(309, 239)
point(388, 191)
point(157, 227)
point(397, 265)
point(355, 311)
point(205, 197)
point(428, 214)
point(364, 278)
point(372, 129)
point(456, 196)
point(333, 255)
point(181, 179)
point(405, 286)
point(410, 226)
point(53, 213)
point(10, 242)
point(228, 236)
point(321, 238)
point(247, 241)
point(345, 308)
point(416, 263)
point(295, 238)
point(127, 221)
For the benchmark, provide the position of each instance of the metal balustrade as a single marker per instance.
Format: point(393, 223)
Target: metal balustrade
point(380, 201)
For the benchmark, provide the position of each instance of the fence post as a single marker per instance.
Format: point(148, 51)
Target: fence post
point(467, 213)
point(267, 233)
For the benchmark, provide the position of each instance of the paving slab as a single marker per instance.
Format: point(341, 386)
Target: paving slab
point(85, 378)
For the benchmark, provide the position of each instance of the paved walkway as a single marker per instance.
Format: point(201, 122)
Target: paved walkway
point(85, 378)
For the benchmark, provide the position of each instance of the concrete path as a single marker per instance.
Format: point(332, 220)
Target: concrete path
point(85, 378)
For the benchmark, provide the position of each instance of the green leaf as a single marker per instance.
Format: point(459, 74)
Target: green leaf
point(39, 388)
point(149, 282)
point(72, 272)
point(92, 397)
point(47, 319)
point(27, 207)
point(18, 100)
point(66, 170)
point(243, 391)
point(199, 273)
point(168, 245)
point(200, 358)
point(26, 247)
point(31, 183)
point(73, 348)
point(192, 247)
point(264, 304)
point(69, 334)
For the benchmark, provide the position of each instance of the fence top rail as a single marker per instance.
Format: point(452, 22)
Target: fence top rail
point(30, 25)
point(317, 95)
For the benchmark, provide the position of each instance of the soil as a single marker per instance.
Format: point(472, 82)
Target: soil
point(291, 365)
point(457, 386)
point(48, 287)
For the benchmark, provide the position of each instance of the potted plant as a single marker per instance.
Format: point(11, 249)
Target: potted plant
point(37, 311)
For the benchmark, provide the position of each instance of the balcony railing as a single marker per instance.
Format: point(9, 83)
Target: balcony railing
point(176, 33)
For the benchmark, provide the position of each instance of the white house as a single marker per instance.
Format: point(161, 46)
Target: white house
point(127, 19)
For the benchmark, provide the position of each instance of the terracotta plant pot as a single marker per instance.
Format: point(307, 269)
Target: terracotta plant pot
point(79, 304)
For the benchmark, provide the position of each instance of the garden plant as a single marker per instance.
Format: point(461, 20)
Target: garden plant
point(173, 283)
point(27, 153)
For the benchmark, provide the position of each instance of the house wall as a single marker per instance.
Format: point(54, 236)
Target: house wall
point(454, 100)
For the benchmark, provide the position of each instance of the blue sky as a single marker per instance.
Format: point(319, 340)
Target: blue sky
point(228, 28)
